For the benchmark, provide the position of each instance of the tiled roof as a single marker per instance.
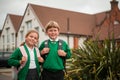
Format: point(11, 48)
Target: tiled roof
point(108, 23)
point(78, 23)
point(16, 20)
point(108, 32)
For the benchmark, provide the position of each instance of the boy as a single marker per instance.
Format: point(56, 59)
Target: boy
point(53, 65)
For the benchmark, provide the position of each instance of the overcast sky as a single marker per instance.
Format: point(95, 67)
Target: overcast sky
point(83, 6)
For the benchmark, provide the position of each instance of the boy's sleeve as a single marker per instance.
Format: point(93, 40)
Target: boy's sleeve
point(68, 51)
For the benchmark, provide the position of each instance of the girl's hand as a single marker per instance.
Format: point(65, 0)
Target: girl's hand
point(40, 59)
point(23, 60)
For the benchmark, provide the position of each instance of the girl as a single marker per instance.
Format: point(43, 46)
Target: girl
point(31, 68)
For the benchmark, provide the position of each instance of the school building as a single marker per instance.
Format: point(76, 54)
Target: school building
point(76, 27)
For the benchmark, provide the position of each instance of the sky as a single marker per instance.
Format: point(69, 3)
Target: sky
point(83, 6)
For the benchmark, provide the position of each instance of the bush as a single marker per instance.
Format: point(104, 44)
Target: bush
point(95, 61)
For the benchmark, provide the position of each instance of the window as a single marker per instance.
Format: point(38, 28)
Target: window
point(116, 22)
point(37, 29)
point(29, 25)
point(3, 37)
point(8, 36)
point(8, 48)
point(28, 12)
point(13, 37)
point(21, 35)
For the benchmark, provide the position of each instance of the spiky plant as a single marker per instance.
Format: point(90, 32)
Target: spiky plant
point(96, 61)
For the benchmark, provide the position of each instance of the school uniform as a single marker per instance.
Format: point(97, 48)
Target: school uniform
point(53, 65)
point(28, 69)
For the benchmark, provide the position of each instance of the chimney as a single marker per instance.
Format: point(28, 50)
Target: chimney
point(114, 5)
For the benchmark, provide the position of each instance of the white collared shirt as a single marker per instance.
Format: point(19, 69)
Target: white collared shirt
point(32, 58)
point(55, 39)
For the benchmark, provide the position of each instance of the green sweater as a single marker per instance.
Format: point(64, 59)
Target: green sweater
point(53, 61)
point(16, 57)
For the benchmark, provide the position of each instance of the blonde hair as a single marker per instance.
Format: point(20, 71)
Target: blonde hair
point(30, 31)
point(52, 24)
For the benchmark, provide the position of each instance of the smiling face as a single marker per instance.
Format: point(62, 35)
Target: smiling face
point(31, 39)
point(52, 33)
point(52, 29)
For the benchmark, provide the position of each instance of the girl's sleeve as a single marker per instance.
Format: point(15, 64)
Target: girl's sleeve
point(41, 46)
point(15, 57)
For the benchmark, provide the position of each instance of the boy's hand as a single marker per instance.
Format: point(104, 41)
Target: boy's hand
point(23, 60)
point(45, 51)
point(40, 59)
point(61, 53)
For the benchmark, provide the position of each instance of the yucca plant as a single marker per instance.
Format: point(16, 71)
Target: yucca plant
point(72, 68)
point(96, 61)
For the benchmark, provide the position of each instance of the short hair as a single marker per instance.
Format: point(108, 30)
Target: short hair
point(52, 24)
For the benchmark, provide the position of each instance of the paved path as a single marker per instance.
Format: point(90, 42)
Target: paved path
point(5, 70)
point(5, 74)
